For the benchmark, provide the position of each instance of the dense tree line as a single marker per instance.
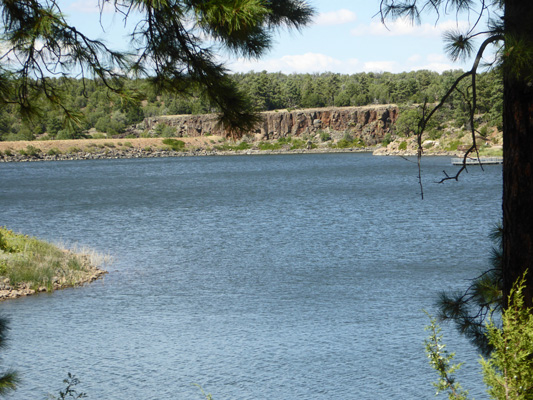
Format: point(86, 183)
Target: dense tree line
point(111, 114)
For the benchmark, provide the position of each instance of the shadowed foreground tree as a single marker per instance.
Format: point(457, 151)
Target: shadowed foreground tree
point(9, 379)
point(175, 42)
point(472, 309)
point(509, 34)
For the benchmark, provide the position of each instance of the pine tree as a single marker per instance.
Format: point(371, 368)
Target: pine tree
point(171, 43)
point(9, 379)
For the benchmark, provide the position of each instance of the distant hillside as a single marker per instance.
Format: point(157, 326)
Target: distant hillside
point(105, 115)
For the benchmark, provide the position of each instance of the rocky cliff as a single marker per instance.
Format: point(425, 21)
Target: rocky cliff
point(370, 123)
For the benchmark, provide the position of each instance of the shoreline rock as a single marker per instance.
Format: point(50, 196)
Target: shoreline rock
point(8, 292)
point(139, 153)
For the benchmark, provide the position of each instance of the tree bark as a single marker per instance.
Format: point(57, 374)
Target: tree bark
point(518, 148)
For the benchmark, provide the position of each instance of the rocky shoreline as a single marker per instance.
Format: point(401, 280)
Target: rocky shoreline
point(8, 292)
point(141, 153)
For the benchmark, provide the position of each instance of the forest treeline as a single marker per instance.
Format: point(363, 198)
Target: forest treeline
point(110, 115)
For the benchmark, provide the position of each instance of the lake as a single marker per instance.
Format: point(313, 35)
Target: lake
point(256, 277)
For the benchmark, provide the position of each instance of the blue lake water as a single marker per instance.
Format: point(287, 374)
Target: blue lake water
point(256, 277)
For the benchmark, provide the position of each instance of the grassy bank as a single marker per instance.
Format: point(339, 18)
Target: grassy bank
point(29, 265)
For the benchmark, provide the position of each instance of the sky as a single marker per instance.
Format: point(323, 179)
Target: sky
point(346, 37)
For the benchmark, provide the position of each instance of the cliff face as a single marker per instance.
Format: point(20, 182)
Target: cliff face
point(370, 123)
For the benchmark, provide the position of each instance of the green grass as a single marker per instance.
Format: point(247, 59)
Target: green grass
point(35, 264)
point(269, 146)
point(233, 147)
point(346, 143)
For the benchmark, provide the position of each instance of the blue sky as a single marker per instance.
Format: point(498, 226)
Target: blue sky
point(345, 37)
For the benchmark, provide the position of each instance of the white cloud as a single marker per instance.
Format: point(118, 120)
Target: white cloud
point(317, 63)
point(339, 17)
point(301, 63)
point(433, 62)
point(403, 27)
point(435, 66)
point(381, 66)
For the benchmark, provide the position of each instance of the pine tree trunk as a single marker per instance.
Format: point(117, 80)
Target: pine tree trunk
point(518, 150)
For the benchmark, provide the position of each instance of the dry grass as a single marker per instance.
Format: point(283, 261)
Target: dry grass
point(64, 146)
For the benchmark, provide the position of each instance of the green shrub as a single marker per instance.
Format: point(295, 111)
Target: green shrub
point(72, 150)
point(324, 136)
point(484, 131)
point(452, 146)
point(403, 145)
point(30, 151)
point(242, 146)
point(387, 139)
point(269, 146)
point(163, 130)
point(345, 143)
point(128, 144)
point(298, 144)
point(174, 144)
point(285, 140)
point(53, 151)
point(508, 371)
point(435, 134)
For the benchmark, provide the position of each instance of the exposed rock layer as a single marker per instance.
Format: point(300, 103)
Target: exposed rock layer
point(370, 123)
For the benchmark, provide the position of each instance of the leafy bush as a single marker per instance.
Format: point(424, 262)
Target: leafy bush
point(269, 146)
point(387, 139)
point(163, 130)
point(242, 146)
point(325, 136)
point(298, 144)
point(508, 371)
point(403, 145)
point(484, 131)
point(72, 150)
point(30, 151)
point(174, 144)
point(284, 140)
point(345, 143)
point(53, 151)
point(452, 146)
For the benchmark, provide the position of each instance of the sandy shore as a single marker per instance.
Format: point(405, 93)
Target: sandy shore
point(87, 144)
